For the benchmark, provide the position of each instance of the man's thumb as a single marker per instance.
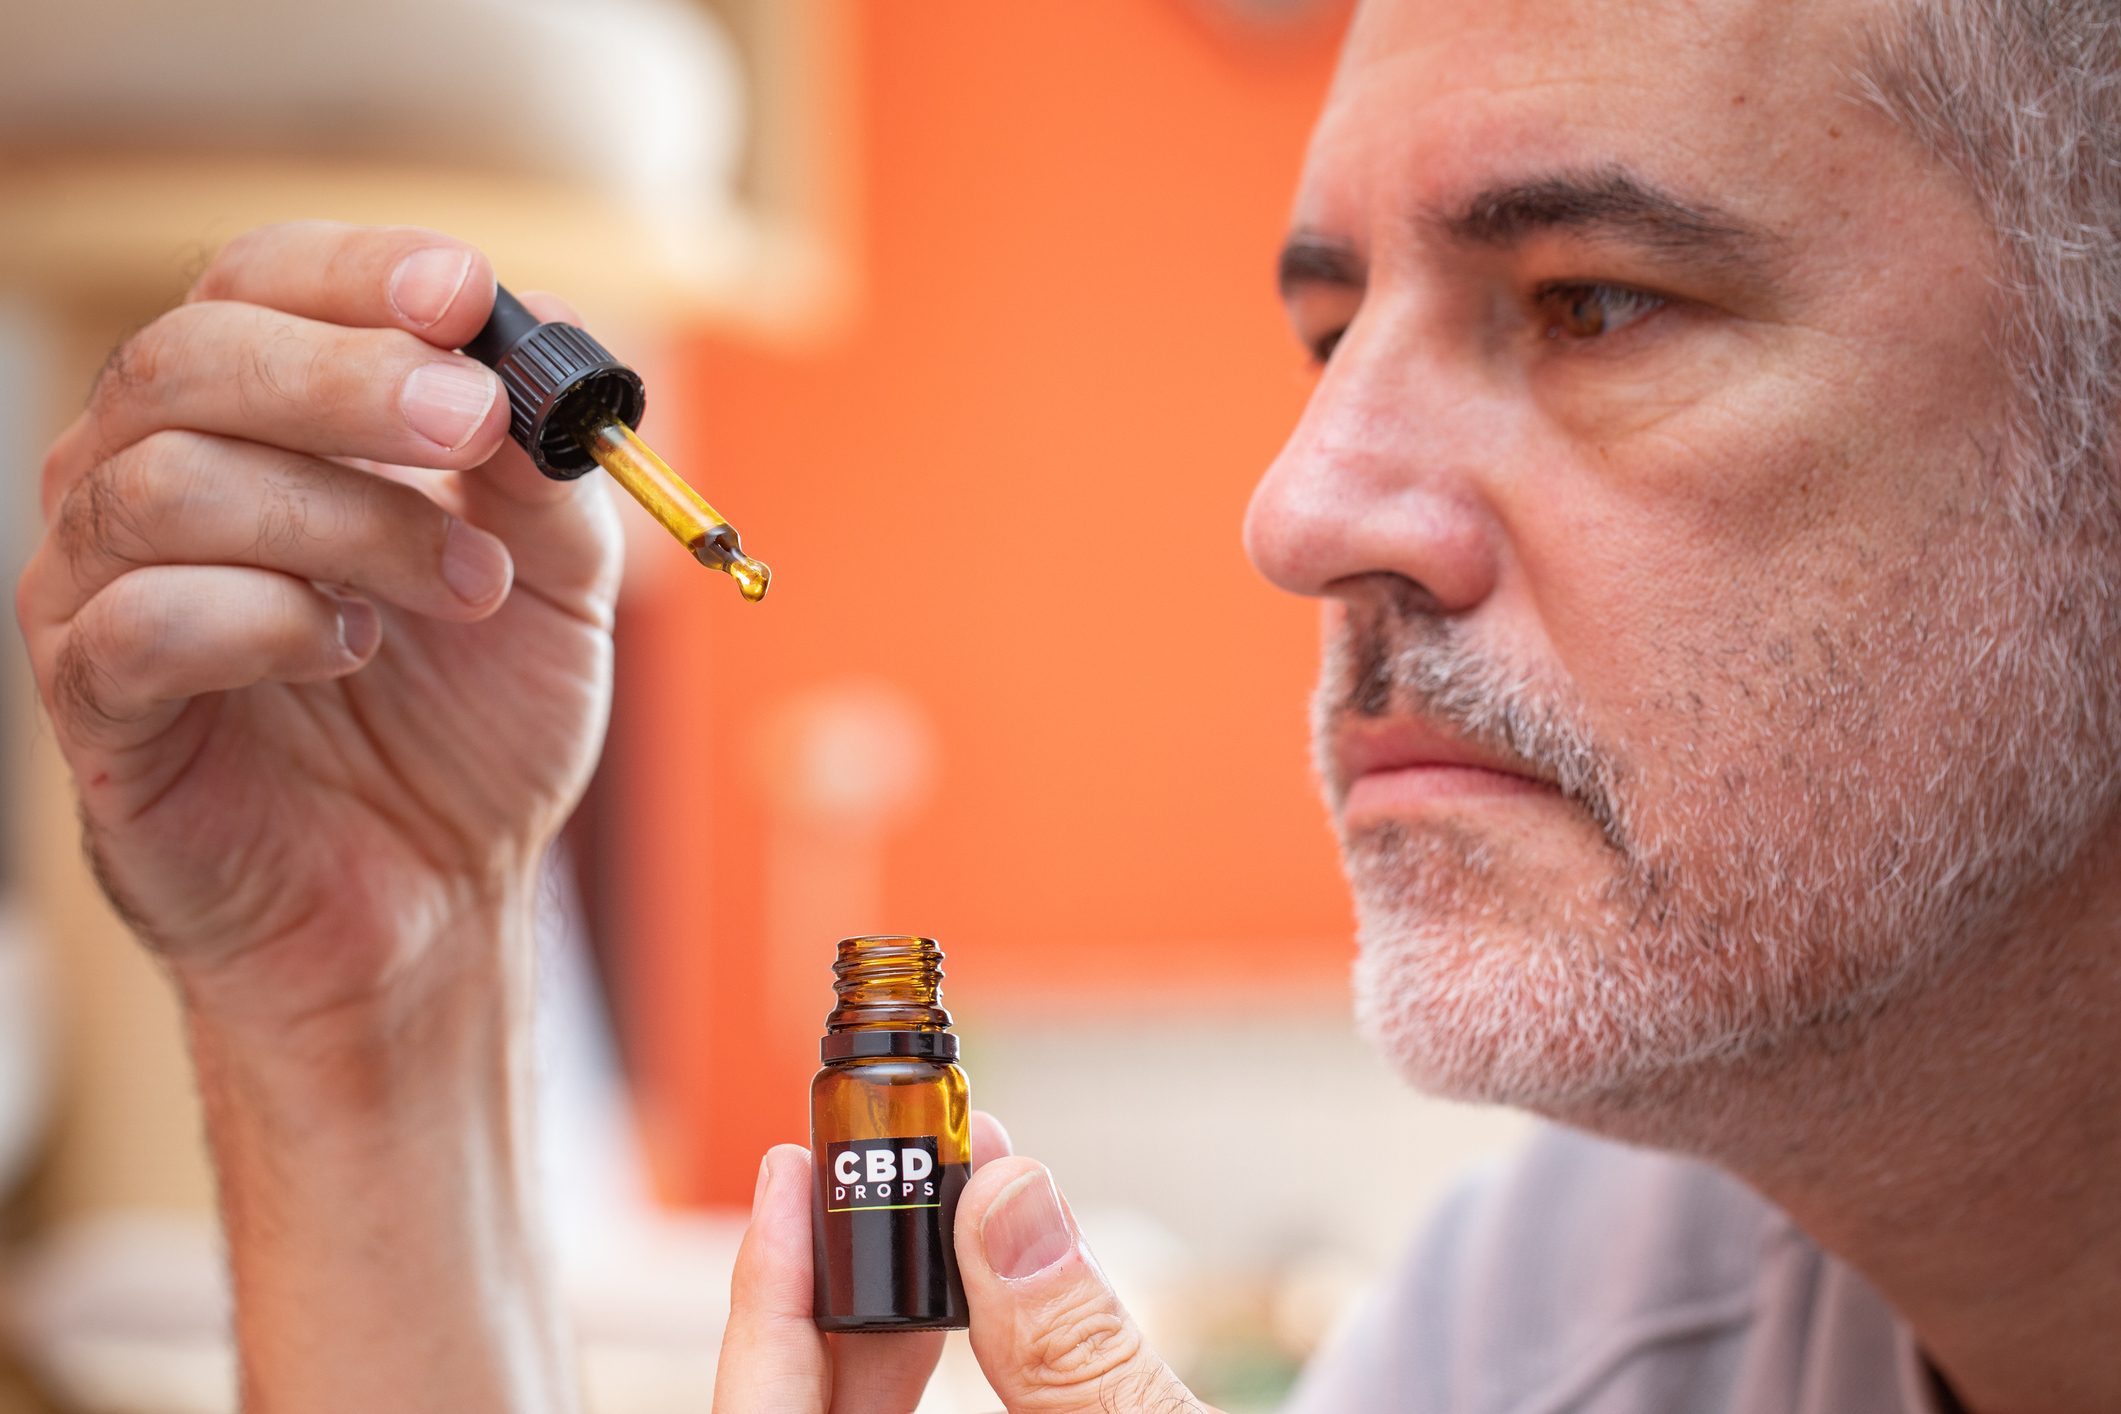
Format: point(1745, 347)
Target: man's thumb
point(1047, 1329)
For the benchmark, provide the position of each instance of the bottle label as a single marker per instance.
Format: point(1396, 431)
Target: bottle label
point(882, 1225)
point(878, 1174)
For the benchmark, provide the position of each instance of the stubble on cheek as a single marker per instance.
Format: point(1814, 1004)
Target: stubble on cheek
point(1814, 808)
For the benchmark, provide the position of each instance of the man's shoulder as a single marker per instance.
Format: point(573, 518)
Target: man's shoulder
point(1548, 1272)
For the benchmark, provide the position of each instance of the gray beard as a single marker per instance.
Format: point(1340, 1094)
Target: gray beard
point(1905, 781)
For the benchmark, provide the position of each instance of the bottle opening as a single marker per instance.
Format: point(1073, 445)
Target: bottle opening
point(888, 982)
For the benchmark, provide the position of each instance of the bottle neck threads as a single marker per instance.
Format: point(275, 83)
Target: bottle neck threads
point(889, 990)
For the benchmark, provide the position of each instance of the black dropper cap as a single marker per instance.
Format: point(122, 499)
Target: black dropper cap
point(556, 375)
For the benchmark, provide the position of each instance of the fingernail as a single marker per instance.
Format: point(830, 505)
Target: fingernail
point(359, 626)
point(425, 284)
point(446, 402)
point(474, 564)
point(1025, 1231)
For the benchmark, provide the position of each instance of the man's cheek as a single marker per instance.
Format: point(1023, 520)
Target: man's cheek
point(1688, 378)
point(1765, 478)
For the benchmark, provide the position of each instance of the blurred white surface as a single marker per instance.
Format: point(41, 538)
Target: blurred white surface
point(594, 148)
point(25, 998)
point(1258, 1136)
point(639, 98)
point(25, 1061)
point(126, 1313)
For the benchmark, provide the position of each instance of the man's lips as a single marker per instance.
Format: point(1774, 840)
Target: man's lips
point(1390, 768)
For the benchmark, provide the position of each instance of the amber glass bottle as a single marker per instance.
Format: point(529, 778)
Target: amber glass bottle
point(890, 1140)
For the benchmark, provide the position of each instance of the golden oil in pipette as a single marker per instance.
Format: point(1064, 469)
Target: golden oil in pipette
point(676, 507)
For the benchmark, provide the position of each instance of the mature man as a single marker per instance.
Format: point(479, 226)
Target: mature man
point(1711, 482)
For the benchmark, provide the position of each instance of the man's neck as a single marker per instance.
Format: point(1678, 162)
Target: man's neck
point(1958, 1148)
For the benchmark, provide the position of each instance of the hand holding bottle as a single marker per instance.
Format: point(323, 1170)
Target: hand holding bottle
point(1046, 1327)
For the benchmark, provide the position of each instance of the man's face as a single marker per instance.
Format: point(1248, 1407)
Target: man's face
point(1686, 686)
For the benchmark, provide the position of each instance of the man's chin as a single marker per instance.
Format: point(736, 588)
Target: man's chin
point(1487, 1019)
point(1488, 973)
point(1580, 1018)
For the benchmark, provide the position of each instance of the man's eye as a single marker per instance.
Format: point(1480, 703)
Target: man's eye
point(1581, 311)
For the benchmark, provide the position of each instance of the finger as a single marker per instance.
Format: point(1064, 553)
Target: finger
point(369, 277)
point(1046, 1327)
point(882, 1372)
point(159, 636)
point(564, 534)
point(773, 1358)
point(191, 498)
point(245, 371)
point(989, 1140)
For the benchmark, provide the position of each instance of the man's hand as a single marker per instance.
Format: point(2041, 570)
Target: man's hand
point(330, 661)
point(329, 658)
point(1047, 1329)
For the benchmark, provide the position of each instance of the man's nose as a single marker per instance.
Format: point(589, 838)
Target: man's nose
point(1383, 475)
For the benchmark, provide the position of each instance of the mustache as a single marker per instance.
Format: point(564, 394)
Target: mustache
point(1401, 657)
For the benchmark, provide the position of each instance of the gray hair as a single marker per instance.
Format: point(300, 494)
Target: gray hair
point(2023, 99)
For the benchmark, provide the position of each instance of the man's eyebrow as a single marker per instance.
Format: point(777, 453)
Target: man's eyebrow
point(1610, 201)
point(1308, 258)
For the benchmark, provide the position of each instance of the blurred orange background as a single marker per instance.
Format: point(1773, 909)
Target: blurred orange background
point(1005, 496)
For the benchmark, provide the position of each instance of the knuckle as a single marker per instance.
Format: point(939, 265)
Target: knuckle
point(318, 372)
point(120, 506)
point(174, 470)
point(1085, 1342)
point(133, 635)
point(285, 510)
point(95, 518)
point(131, 366)
point(279, 372)
point(300, 500)
point(80, 685)
point(144, 365)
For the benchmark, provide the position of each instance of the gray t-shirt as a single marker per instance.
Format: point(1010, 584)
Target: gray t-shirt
point(1590, 1278)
